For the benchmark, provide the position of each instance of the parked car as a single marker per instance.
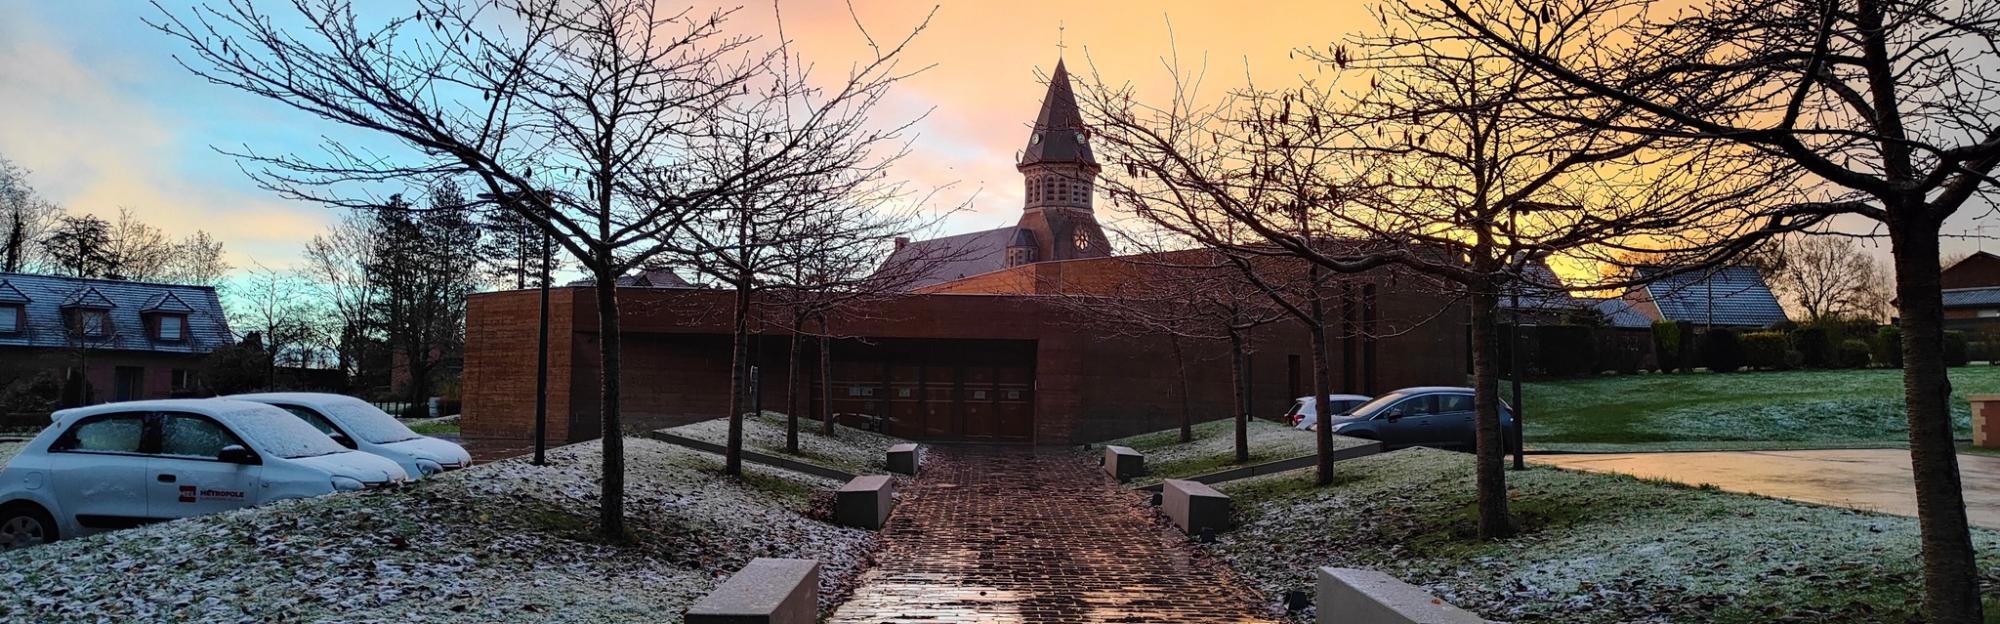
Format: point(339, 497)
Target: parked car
point(359, 425)
point(1304, 413)
point(125, 464)
point(1425, 416)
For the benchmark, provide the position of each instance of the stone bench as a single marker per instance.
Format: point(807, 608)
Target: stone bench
point(903, 459)
point(864, 502)
point(1123, 463)
point(1350, 596)
point(767, 591)
point(1194, 506)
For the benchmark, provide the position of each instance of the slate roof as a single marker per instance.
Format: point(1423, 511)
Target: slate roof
point(46, 296)
point(954, 257)
point(1740, 297)
point(1540, 289)
point(1621, 313)
point(1058, 136)
point(1972, 297)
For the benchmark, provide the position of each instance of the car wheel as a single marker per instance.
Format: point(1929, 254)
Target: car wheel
point(22, 526)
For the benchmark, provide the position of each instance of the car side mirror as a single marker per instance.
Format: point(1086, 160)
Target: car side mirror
point(236, 454)
point(342, 439)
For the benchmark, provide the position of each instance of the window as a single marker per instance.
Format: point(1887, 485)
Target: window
point(1986, 313)
point(116, 433)
point(193, 436)
point(312, 418)
point(1455, 403)
point(170, 327)
point(10, 319)
point(1418, 406)
point(90, 323)
point(183, 379)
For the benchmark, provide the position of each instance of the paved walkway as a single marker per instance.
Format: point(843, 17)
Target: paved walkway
point(1871, 479)
point(1021, 536)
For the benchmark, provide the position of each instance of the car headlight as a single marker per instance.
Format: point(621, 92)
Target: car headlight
point(347, 484)
point(428, 467)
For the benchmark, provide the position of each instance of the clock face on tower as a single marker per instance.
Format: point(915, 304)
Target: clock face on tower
point(1082, 240)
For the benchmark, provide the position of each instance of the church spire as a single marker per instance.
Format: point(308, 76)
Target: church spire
point(1059, 135)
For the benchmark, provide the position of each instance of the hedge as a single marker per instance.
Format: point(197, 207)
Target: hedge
point(1721, 352)
point(1955, 351)
point(1889, 346)
point(1815, 346)
point(1852, 353)
point(1765, 350)
point(1673, 345)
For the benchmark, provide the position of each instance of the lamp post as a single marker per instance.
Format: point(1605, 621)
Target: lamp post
point(542, 334)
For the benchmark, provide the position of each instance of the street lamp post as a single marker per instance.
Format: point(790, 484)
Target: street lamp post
point(542, 364)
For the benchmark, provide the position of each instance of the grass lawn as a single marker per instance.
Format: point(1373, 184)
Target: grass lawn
point(1595, 548)
point(1214, 448)
point(446, 426)
point(849, 449)
point(8, 449)
point(1749, 410)
point(500, 542)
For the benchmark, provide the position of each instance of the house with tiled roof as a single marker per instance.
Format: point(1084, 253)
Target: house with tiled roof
point(1971, 293)
point(128, 340)
point(1730, 296)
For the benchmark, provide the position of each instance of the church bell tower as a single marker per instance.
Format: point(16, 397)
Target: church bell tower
point(1058, 221)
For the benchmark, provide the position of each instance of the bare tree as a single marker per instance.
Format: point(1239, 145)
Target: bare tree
point(197, 259)
point(1446, 165)
point(336, 268)
point(275, 304)
point(592, 112)
point(25, 219)
point(1889, 104)
point(1825, 276)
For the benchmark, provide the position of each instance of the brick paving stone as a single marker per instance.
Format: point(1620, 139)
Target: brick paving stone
point(1021, 535)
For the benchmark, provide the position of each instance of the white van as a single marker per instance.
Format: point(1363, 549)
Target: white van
point(359, 425)
point(125, 464)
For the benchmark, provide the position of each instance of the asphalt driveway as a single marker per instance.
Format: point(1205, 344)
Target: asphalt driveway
point(1869, 479)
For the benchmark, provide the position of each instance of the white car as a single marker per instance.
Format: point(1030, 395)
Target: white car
point(119, 465)
point(1304, 413)
point(360, 426)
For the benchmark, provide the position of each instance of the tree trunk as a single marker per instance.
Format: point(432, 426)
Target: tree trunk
point(792, 393)
point(1322, 372)
point(611, 510)
point(1951, 574)
point(825, 379)
point(1238, 379)
point(1490, 462)
point(1181, 382)
point(739, 372)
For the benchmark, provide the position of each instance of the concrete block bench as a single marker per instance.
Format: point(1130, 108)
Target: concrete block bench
point(1350, 596)
point(864, 502)
point(903, 459)
point(1194, 506)
point(767, 591)
point(1123, 463)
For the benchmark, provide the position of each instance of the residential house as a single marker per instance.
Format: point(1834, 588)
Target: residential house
point(1730, 296)
point(128, 340)
point(1972, 293)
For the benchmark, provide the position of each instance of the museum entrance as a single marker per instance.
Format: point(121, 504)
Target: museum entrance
point(937, 390)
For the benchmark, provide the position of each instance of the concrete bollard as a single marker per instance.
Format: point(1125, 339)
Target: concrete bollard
point(1986, 421)
point(1350, 596)
point(766, 591)
point(1123, 463)
point(1194, 507)
point(864, 502)
point(903, 459)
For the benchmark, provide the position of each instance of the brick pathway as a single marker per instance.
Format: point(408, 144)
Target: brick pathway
point(1015, 535)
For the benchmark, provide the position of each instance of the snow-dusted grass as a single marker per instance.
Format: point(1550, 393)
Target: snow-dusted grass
point(1594, 548)
point(8, 449)
point(501, 542)
point(1214, 448)
point(1748, 410)
point(442, 425)
point(849, 449)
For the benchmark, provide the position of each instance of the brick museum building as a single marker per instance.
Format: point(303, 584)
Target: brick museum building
point(987, 345)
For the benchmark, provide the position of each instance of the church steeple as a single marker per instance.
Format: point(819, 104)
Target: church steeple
point(1059, 135)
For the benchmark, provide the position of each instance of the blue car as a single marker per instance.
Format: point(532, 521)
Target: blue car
point(1434, 416)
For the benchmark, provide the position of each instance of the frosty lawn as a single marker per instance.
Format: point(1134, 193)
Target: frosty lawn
point(1751, 410)
point(849, 450)
point(501, 542)
point(1214, 448)
point(8, 449)
point(1594, 548)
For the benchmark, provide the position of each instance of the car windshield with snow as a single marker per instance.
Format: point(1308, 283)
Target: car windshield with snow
point(357, 424)
point(126, 464)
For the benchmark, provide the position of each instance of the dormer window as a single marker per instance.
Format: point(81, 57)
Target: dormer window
point(170, 327)
point(11, 318)
point(90, 323)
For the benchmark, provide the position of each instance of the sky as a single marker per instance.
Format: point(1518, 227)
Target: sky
point(98, 109)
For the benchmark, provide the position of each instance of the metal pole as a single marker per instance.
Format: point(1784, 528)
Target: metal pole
point(1514, 352)
point(542, 365)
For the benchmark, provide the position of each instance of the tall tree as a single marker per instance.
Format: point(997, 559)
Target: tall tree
point(1889, 104)
point(197, 259)
point(25, 219)
point(80, 245)
point(591, 111)
point(336, 267)
point(423, 265)
point(138, 250)
point(1825, 276)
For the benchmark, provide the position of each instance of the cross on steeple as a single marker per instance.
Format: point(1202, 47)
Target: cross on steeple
point(1060, 48)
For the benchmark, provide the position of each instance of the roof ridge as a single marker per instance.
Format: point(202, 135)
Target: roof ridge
point(70, 278)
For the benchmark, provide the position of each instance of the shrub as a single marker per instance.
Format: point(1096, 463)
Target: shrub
point(1565, 351)
point(1671, 345)
point(1852, 353)
point(1721, 352)
point(1955, 352)
point(1889, 346)
point(1815, 346)
point(34, 394)
point(1979, 351)
point(1765, 350)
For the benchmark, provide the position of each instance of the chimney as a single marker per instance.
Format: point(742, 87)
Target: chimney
point(901, 242)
